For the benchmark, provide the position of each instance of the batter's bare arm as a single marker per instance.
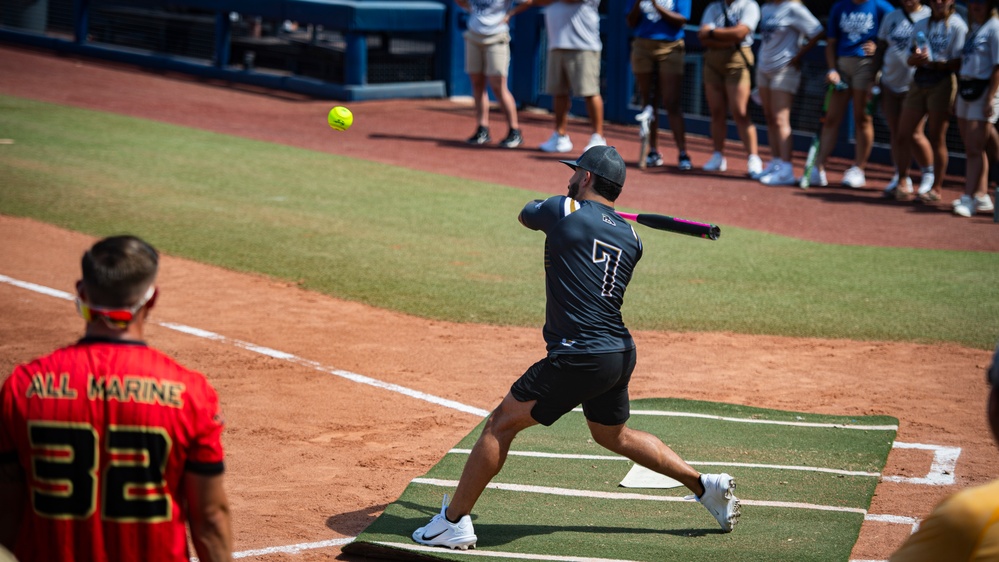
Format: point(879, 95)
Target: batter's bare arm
point(209, 517)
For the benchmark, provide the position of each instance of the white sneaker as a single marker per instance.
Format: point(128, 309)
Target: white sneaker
point(818, 178)
point(783, 174)
point(556, 143)
point(717, 163)
point(966, 206)
point(854, 177)
point(720, 500)
point(926, 184)
point(441, 532)
point(595, 140)
point(983, 204)
point(754, 165)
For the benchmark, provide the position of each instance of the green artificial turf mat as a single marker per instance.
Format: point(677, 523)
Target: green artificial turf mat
point(805, 483)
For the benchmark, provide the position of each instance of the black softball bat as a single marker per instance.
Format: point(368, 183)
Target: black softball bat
point(673, 224)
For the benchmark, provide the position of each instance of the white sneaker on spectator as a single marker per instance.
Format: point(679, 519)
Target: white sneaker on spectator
point(595, 140)
point(926, 183)
point(854, 177)
point(556, 143)
point(983, 204)
point(783, 174)
point(717, 163)
point(754, 165)
point(966, 206)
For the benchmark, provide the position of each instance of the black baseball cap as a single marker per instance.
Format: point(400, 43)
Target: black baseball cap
point(603, 161)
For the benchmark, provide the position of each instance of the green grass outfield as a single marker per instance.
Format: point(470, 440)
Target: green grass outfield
point(445, 248)
point(570, 504)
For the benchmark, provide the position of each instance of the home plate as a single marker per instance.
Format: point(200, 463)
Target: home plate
point(641, 477)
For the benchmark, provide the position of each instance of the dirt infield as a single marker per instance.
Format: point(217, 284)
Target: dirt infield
point(315, 457)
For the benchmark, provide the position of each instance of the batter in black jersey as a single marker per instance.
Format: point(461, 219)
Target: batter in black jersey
point(590, 255)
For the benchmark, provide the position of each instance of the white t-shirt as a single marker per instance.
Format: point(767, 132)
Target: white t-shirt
point(746, 12)
point(485, 17)
point(574, 26)
point(783, 25)
point(946, 36)
point(897, 33)
point(981, 54)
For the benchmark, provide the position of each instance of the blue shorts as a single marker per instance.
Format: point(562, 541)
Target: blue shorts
point(559, 383)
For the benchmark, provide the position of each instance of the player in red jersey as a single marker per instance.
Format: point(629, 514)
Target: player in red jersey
point(109, 449)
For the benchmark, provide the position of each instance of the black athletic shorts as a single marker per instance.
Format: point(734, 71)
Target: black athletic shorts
point(561, 382)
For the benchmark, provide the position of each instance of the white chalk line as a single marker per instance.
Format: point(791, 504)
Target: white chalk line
point(941, 469)
point(570, 492)
point(941, 473)
point(537, 454)
point(769, 422)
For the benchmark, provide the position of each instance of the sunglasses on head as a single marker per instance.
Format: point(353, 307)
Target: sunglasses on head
point(118, 318)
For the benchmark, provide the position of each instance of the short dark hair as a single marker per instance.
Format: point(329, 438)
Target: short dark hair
point(605, 187)
point(117, 271)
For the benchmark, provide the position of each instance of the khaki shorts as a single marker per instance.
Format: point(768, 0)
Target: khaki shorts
point(573, 72)
point(727, 66)
point(487, 54)
point(646, 53)
point(975, 110)
point(938, 97)
point(785, 79)
point(891, 101)
point(857, 72)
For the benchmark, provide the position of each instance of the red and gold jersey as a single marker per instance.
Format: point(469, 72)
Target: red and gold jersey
point(104, 431)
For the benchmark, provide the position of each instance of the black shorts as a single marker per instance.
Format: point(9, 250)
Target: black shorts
point(561, 382)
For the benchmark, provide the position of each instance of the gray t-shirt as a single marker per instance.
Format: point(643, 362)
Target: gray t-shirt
point(981, 54)
point(485, 17)
point(946, 37)
point(783, 26)
point(574, 26)
point(722, 14)
point(897, 33)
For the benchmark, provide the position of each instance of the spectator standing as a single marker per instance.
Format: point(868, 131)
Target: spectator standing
point(573, 67)
point(109, 449)
point(964, 526)
point(788, 31)
point(934, 87)
point(895, 41)
point(977, 106)
point(851, 35)
point(726, 32)
point(487, 59)
point(590, 352)
point(659, 50)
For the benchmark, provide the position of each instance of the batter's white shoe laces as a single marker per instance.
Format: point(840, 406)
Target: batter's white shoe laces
point(441, 532)
point(719, 498)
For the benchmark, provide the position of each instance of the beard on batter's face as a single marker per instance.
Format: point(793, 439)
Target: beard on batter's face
point(574, 185)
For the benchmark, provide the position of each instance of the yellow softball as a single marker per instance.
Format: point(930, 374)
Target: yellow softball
point(340, 118)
